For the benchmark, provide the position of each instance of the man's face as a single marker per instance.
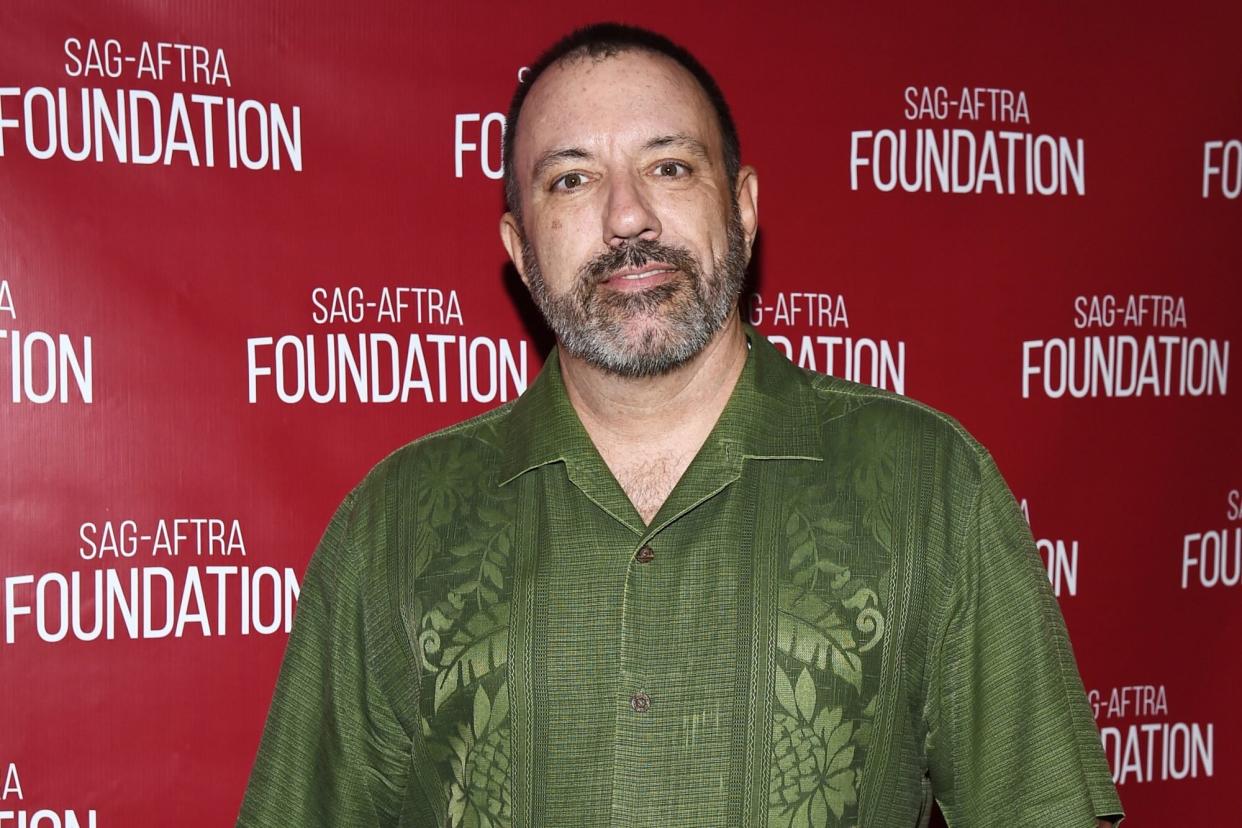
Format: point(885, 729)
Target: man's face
point(631, 240)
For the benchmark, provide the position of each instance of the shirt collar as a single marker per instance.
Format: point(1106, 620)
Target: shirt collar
point(770, 415)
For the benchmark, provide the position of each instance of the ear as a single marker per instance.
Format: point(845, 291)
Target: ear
point(746, 194)
point(511, 237)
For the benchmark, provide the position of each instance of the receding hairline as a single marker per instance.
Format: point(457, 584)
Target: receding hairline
point(600, 41)
point(599, 53)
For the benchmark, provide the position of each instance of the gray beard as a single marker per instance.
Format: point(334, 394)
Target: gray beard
point(590, 323)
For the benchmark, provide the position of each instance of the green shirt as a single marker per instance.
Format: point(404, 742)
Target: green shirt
point(838, 613)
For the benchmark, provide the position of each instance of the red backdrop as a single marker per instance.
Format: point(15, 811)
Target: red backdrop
point(231, 233)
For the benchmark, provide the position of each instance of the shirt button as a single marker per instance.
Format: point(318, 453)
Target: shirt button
point(640, 702)
point(645, 555)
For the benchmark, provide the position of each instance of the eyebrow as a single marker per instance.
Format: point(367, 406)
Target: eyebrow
point(694, 145)
point(553, 157)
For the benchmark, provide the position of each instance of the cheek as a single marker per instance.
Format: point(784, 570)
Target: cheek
point(561, 229)
point(697, 219)
point(562, 245)
point(702, 237)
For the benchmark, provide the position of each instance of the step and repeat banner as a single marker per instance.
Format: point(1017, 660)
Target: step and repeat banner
point(248, 249)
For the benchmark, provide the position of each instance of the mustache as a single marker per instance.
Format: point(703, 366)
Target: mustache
point(636, 254)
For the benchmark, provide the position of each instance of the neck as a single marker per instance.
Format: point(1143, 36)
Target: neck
point(682, 404)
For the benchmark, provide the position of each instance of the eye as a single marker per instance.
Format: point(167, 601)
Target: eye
point(569, 181)
point(672, 169)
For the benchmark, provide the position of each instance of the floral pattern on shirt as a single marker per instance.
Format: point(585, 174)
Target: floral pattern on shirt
point(462, 607)
point(829, 621)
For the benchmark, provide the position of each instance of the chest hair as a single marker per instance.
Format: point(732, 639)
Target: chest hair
point(647, 480)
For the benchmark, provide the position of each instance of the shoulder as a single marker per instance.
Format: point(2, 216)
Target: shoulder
point(459, 458)
point(851, 411)
point(468, 444)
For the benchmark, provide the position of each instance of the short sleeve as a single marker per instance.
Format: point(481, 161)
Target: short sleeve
point(333, 751)
point(1011, 736)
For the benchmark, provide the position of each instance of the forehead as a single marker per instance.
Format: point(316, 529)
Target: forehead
point(618, 101)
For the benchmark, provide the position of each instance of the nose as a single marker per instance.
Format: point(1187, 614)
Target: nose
point(628, 215)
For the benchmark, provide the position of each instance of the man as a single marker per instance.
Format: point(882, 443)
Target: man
point(679, 582)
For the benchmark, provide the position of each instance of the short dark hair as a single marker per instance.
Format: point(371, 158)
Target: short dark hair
point(605, 40)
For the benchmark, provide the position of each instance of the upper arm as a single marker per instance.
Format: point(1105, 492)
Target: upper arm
point(334, 750)
point(1012, 739)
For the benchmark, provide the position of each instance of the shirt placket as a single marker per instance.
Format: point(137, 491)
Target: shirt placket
point(675, 698)
point(636, 724)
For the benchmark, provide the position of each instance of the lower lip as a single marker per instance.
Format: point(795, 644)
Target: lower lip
point(656, 277)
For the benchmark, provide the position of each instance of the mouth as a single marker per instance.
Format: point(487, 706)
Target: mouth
point(640, 278)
